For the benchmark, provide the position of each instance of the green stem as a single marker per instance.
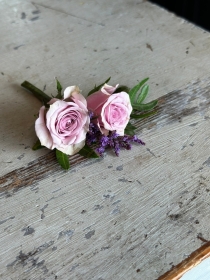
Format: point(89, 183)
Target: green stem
point(36, 92)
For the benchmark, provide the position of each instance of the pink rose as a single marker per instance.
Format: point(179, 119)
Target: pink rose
point(112, 110)
point(64, 125)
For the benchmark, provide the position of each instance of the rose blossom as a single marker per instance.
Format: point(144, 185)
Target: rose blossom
point(64, 125)
point(112, 110)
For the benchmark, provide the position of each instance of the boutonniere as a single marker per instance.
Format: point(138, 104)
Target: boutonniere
point(69, 123)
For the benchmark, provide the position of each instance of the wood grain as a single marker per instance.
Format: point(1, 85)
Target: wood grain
point(194, 259)
point(172, 107)
point(132, 217)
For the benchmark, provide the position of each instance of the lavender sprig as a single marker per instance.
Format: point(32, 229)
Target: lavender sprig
point(112, 140)
point(93, 135)
point(116, 142)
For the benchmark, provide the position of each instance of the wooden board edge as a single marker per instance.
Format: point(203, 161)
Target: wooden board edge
point(194, 259)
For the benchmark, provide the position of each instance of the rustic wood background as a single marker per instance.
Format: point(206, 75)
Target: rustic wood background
point(131, 217)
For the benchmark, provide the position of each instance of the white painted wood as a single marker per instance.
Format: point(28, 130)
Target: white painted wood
point(115, 218)
point(47, 42)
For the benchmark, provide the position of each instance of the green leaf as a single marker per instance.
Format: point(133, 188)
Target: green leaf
point(132, 93)
point(134, 116)
point(145, 107)
point(39, 94)
point(59, 89)
point(62, 159)
point(96, 88)
point(130, 129)
point(143, 94)
point(130, 132)
point(88, 152)
point(37, 145)
point(130, 126)
point(122, 88)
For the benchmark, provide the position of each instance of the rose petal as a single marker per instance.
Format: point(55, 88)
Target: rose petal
point(69, 90)
point(52, 114)
point(71, 149)
point(41, 130)
point(79, 98)
point(104, 131)
point(65, 123)
point(107, 89)
point(53, 100)
point(96, 100)
point(122, 101)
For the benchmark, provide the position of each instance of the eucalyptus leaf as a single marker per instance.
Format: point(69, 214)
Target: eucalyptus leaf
point(132, 93)
point(143, 94)
point(134, 116)
point(145, 107)
point(97, 88)
point(37, 145)
point(88, 152)
point(59, 89)
point(62, 159)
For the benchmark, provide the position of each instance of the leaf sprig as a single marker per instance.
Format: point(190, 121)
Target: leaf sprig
point(62, 159)
point(97, 88)
point(137, 95)
point(59, 89)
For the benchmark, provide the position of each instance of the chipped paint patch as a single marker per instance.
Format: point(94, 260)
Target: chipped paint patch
point(207, 162)
point(89, 234)
point(119, 168)
point(42, 210)
point(28, 230)
point(4, 221)
point(67, 233)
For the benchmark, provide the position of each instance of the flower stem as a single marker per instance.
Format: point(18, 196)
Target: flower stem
point(36, 92)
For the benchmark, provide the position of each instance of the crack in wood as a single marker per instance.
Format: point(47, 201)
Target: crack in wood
point(69, 14)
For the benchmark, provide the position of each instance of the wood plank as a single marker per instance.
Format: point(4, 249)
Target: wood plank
point(129, 217)
point(194, 259)
point(171, 108)
point(132, 217)
point(84, 57)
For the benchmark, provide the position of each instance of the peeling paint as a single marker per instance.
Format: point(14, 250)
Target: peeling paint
point(207, 162)
point(119, 168)
point(42, 210)
point(67, 233)
point(34, 18)
point(4, 221)
point(116, 202)
point(89, 234)
point(98, 207)
point(28, 230)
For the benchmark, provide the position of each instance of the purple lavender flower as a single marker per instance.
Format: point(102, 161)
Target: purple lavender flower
point(112, 140)
point(104, 141)
point(91, 114)
point(100, 150)
point(93, 134)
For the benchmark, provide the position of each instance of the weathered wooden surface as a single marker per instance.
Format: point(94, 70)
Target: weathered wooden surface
point(115, 219)
point(68, 39)
point(179, 272)
point(171, 108)
point(131, 217)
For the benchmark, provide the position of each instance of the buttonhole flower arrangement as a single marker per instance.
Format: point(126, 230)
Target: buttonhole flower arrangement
point(69, 123)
